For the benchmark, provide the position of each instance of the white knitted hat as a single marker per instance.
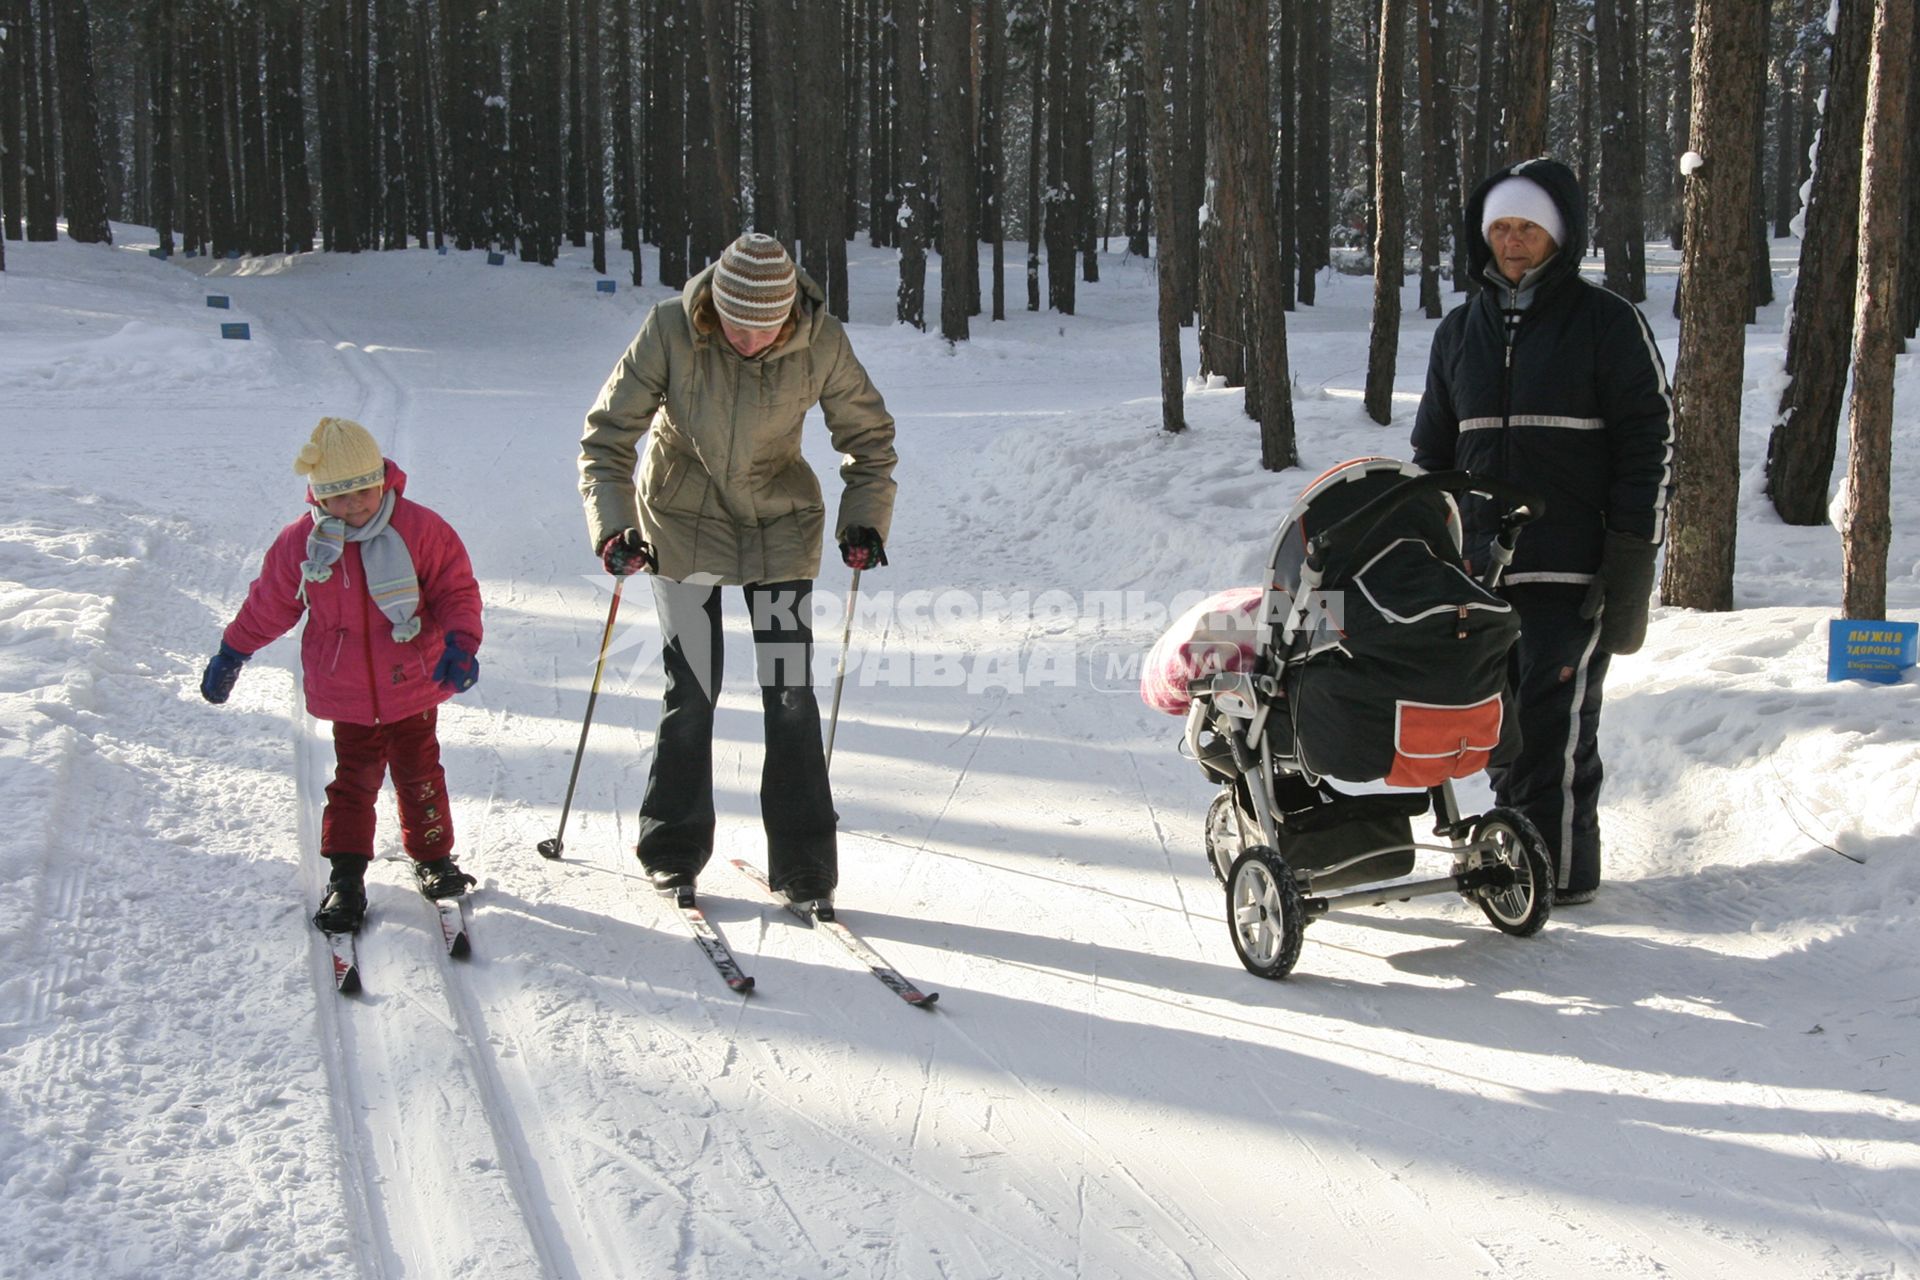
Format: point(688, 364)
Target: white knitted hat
point(340, 457)
point(1523, 198)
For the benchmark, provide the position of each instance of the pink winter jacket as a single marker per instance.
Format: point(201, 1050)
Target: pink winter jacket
point(355, 671)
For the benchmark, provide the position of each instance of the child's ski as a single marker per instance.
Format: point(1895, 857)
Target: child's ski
point(891, 978)
point(346, 963)
point(453, 925)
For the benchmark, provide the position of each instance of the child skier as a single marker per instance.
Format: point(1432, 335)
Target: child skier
point(393, 626)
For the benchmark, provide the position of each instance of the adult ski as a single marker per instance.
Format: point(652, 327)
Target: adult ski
point(890, 978)
point(711, 944)
point(346, 963)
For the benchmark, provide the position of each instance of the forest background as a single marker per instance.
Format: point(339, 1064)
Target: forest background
point(1247, 145)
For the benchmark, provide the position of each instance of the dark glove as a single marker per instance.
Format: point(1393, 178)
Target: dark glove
point(861, 548)
point(1620, 592)
point(626, 552)
point(223, 668)
point(457, 668)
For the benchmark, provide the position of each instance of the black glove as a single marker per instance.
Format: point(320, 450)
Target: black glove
point(1621, 592)
point(861, 548)
point(223, 668)
point(626, 552)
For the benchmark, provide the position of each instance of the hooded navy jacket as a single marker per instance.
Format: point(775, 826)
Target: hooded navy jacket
point(1578, 410)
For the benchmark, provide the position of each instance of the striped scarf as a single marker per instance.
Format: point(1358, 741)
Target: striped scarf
point(383, 557)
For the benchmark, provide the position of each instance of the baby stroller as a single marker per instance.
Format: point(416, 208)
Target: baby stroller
point(1371, 655)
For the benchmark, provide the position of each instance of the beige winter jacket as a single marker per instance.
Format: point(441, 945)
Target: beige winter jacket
point(723, 490)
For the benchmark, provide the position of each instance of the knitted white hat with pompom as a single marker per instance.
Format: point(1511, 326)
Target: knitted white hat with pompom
point(340, 457)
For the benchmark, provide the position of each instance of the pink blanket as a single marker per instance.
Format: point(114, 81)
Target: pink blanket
point(1221, 633)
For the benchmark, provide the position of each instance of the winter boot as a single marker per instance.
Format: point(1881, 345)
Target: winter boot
point(675, 884)
point(811, 895)
point(442, 878)
point(344, 907)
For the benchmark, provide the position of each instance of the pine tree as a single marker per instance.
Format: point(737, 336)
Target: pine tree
point(1801, 448)
point(1160, 134)
point(85, 184)
point(1729, 40)
point(1389, 244)
point(1866, 524)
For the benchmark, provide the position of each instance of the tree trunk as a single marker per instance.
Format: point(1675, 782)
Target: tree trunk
point(1786, 129)
point(1681, 53)
point(1729, 44)
point(13, 49)
point(159, 36)
point(1036, 146)
point(910, 140)
point(1866, 528)
point(389, 125)
point(1622, 152)
point(993, 166)
point(666, 122)
point(1138, 218)
point(882, 200)
point(593, 109)
point(1242, 146)
point(1389, 242)
point(1820, 335)
point(773, 113)
point(1079, 151)
point(1161, 142)
point(952, 58)
point(718, 46)
point(85, 184)
point(1286, 58)
point(1313, 170)
point(1486, 90)
point(1431, 114)
point(626, 195)
point(1062, 211)
point(1529, 80)
point(1760, 260)
point(576, 143)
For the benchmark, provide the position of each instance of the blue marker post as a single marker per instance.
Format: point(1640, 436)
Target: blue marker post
point(1870, 649)
point(603, 286)
point(219, 301)
point(240, 331)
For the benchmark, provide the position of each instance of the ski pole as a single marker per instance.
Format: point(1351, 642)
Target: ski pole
point(840, 675)
point(552, 848)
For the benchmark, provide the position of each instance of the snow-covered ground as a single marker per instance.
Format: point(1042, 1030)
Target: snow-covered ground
point(1711, 1071)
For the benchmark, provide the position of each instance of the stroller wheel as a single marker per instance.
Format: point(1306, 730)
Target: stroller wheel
point(1506, 837)
point(1264, 913)
point(1223, 835)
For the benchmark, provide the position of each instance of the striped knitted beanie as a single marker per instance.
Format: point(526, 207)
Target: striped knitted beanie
point(340, 457)
point(754, 285)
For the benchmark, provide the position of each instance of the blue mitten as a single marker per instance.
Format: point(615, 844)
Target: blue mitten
point(223, 668)
point(458, 668)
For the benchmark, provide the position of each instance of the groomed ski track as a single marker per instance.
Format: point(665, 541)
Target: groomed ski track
point(1104, 1093)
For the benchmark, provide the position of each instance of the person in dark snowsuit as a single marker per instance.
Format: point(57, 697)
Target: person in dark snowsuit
point(1551, 382)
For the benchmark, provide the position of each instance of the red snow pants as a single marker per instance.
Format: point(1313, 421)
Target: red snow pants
point(363, 753)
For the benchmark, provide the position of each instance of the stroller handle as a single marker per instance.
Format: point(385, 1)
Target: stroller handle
point(1523, 506)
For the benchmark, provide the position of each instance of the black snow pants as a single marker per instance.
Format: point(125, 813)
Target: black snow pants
point(796, 805)
point(1558, 669)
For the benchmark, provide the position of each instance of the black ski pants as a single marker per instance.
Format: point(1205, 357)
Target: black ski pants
point(1558, 669)
point(796, 804)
